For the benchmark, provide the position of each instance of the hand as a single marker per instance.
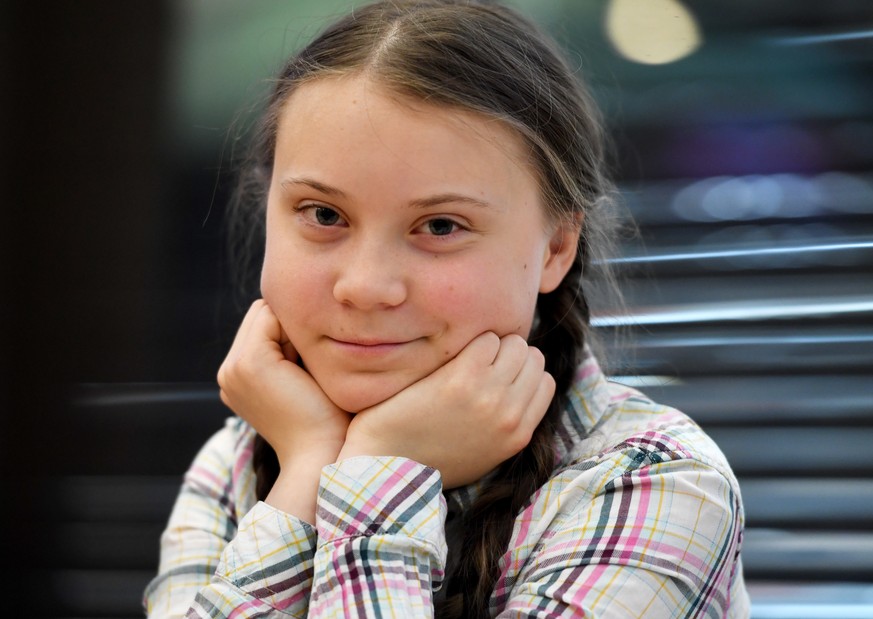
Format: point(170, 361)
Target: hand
point(466, 417)
point(262, 383)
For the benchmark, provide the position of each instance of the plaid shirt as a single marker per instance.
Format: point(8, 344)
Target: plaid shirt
point(642, 517)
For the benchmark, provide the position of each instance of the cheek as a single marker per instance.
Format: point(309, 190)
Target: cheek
point(483, 297)
point(289, 287)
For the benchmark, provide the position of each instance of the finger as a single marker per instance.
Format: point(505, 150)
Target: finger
point(511, 357)
point(278, 334)
point(266, 327)
point(530, 373)
point(267, 332)
point(247, 322)
point(481, 351)
point(236, 346)
point(539, 402)
point(288, 349)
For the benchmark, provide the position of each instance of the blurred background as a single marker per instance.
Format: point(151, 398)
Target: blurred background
point(743, 148)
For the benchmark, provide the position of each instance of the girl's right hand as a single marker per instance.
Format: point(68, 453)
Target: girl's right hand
point(261, 382)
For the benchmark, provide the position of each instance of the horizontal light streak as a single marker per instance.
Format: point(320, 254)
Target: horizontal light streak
point(743, 253)
point(815, 39)
point(646, 380)
point(125, 394)
point(754, 340)
point(811, 611)
point(729, 312)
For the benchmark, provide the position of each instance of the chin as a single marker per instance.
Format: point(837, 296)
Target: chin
point(355, 396)
point(356, 402)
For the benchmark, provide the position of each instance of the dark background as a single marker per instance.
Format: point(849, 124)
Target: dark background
point(747, 165)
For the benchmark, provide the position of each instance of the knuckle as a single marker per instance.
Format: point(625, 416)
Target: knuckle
point(488, 402)
point(514, 343)
point(509, 424)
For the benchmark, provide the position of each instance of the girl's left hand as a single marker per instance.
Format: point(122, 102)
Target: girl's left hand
point(466, 417)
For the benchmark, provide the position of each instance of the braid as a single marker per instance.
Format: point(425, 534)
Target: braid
point(560, 334)
point(266, 465)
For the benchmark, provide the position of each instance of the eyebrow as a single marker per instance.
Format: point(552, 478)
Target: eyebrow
point(314, 184)
point(445, 198)
point(420, 203)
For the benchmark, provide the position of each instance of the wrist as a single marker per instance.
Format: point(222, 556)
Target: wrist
point(295, 491)
point(354, 449)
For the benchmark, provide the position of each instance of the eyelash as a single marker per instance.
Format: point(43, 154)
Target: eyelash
point(456, 226)
point(311, 212)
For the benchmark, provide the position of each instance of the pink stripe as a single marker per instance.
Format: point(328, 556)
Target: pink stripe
point(197, 473)
point(594, 574)
point(294, 599)
point(682, 556)
point(374, 503)
point(589, 369)
point(645, 491)
point(242, 609)
point(241, 463)
point(525, 518)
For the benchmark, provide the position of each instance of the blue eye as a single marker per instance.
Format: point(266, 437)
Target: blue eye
point(326, 216)
point(441, 227)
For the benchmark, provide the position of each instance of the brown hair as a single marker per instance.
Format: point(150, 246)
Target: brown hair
point(484, 58)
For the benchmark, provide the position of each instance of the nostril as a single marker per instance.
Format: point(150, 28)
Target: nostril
point(370, 290)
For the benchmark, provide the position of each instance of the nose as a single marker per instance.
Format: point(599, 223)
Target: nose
point(371, 278)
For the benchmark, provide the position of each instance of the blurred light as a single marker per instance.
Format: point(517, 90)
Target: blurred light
point(744, 253)
point(739, 311)
point(847, 193)
point(132, 394)
point(652, 31)
point(812, 611)
point(646, 381)
point(837, 37)
point(789, 196)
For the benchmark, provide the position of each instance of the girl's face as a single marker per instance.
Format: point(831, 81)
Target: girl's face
point(397, 232)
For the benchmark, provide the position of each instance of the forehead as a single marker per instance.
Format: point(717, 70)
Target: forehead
point(356, 110)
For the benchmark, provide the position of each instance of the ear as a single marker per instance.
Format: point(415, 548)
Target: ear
point(560, 253)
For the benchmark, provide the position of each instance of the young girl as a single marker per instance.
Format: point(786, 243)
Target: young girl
point(421, 428)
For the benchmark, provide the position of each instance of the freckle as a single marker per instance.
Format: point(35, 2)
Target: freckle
point(525, 267)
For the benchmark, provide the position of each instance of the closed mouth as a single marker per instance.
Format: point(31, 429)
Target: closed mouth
point(370, 343)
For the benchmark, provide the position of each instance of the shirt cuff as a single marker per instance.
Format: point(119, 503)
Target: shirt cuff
point(382, 495)
point(271, 559)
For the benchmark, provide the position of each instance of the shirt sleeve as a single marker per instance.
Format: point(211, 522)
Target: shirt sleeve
point(648, 532)
point(212, 566)
point(381, 539)
point(266, 570)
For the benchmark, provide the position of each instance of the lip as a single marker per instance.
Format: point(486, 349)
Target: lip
point(369, 347)
point(369, 342)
